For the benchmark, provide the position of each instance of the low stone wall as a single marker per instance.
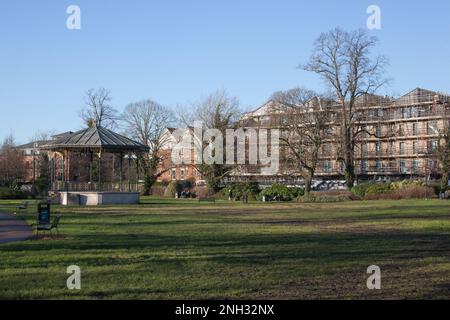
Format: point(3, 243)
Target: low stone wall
point(98, 198)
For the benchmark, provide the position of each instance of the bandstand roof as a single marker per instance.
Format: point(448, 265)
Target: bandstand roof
point(96, 138)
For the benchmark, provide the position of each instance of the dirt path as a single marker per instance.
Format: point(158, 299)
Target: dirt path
point(13, 229)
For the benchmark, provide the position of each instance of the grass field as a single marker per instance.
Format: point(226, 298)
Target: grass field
point(167, 249)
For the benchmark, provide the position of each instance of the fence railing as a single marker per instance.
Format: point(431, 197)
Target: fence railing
point(92, 187)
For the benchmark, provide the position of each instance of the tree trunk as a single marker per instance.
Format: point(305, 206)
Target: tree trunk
point(444, 181)
point(350, 175)
point(148, 184)
point(308, 183)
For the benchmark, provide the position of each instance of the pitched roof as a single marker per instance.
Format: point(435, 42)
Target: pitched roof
point(62, 135)
point(419, 95)
point(270, 107)
point(96, 138)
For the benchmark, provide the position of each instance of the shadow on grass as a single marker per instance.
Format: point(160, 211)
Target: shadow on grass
point(249, 249)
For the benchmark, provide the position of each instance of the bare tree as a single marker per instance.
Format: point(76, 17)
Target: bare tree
point(42, 136)
point(147, 121)
point(12, 162)
point(217, 111)
point(443, 155)
point(294, 97)
point(305, 131)
point(9, 142)
point(98, 110)
point(344, 61)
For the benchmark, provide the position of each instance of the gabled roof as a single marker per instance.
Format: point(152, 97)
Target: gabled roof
point(372, 99)
point(420, 95)
point(96, 138)
point(270, 107)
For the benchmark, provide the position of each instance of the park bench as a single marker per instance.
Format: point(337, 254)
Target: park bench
point(206, 199)
point(23, 206)
point(45, 226)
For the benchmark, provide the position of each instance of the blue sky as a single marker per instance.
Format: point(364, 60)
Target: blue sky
point(176, 52)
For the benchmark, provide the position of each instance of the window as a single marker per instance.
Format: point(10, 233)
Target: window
point(327, 149)
point(402, 165)
point(432, 146)
point(415, 151)
point(174, 174)
point(400, 130)
point(422, 112)
point(402, 148)
point(378, 148)
point(182, 174)
point(405, 113)
point(379, 166)
point(363, 166)
point(415, 129)
point(327, 167)
point(432, 165)
point(416, 164)
point(432, 128)
point(378, 131)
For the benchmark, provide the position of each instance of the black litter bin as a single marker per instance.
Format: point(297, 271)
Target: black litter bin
point(44, 213)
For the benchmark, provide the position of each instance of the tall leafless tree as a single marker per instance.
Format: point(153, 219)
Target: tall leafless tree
point(294, 97)
point(147, 121)
point(306, 127)
point(345, 62)
point(218, 111)
point(98, 110)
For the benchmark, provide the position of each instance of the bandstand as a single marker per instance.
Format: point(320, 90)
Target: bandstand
point(94, 166)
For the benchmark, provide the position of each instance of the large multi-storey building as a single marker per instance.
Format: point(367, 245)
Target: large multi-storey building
point(398, 139)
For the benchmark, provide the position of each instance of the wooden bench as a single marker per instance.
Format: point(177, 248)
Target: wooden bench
point(23, 206)
point(206, 199)
point(45, 226)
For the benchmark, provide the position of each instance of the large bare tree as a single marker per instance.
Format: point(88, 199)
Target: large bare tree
point(147, 121)
point(306, 126)
point(98, 110)
point(218, 111)
point(344, 60)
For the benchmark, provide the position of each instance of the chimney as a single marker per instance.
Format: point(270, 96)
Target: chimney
point(437, 99)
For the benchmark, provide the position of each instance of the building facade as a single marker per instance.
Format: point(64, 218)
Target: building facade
point(398, 139)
